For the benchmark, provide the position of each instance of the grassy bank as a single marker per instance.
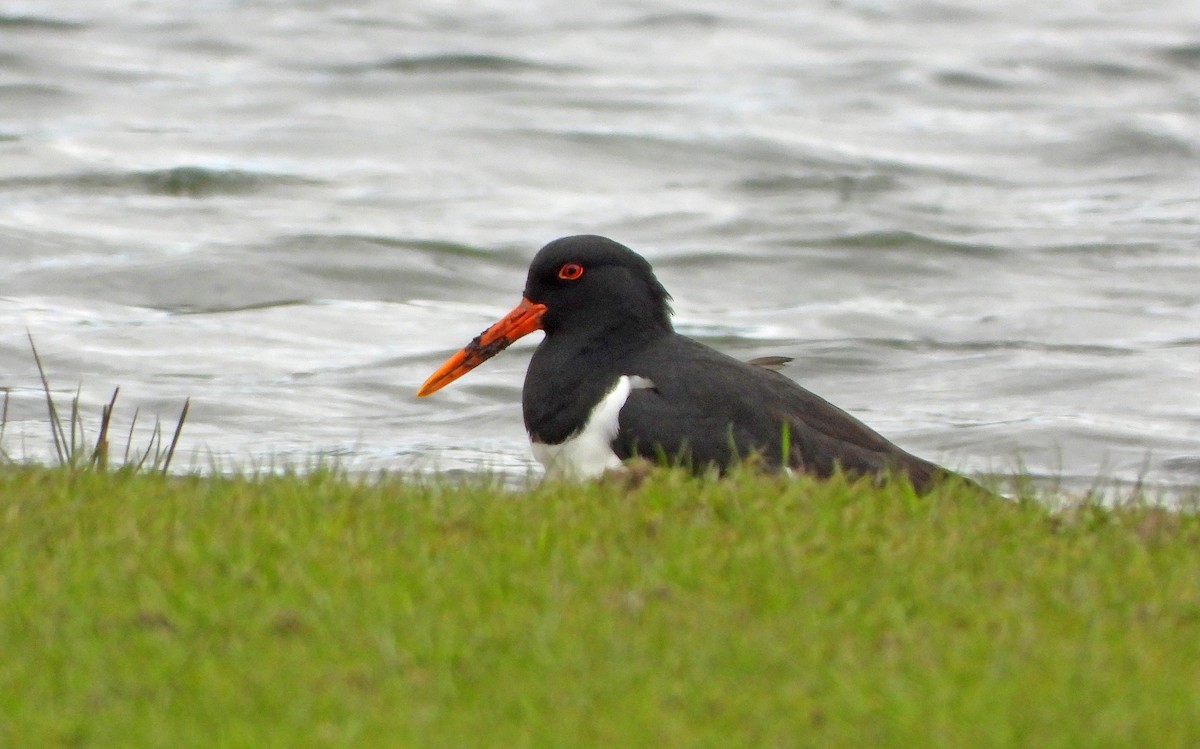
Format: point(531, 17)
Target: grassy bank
point(150, 611)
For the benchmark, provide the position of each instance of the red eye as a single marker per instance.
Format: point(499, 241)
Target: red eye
point(570, 271)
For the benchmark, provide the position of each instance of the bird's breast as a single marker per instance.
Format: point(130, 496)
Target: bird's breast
point(588, 452)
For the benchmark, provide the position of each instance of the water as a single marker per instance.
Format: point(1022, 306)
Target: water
point(975, 227)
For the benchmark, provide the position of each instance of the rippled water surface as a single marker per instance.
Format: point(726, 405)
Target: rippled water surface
point(975, 227)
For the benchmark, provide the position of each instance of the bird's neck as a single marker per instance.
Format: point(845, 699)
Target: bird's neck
point(571, 372)
point(578, 353)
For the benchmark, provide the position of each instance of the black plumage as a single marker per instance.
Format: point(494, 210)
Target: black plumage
point(705, 408)
point(605, 316)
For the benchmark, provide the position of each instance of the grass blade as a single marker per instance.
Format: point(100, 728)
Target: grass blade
point(76, 427)
point(3, 427)
point(100, 454)
point(175, 438)
point(152, 446)
point(129, 439)
point(56, 427)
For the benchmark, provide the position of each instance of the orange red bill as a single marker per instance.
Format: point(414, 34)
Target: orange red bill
point(525, 318)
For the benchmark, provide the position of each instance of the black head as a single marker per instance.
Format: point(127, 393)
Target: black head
point(581, 286)
point(591, 283)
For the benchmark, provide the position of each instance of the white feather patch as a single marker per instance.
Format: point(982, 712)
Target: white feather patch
point(588, 453)
point(637, 382)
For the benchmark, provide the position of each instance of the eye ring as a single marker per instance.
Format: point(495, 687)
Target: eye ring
point(570, 271)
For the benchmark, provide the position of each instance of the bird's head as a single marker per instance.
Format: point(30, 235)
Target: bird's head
point(577, 286)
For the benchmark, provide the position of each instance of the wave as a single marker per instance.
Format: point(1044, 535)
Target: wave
point(452, 62)
point(179, 181)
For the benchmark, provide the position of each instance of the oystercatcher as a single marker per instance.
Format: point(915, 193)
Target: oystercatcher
point(613, 380)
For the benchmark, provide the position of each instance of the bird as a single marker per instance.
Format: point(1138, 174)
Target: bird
point(612, 380)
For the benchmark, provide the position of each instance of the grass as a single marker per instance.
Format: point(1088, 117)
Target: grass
point(324, 610)
point(143, 609)
point(74, 450)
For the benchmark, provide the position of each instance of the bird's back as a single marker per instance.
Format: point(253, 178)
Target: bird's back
point(717, 410)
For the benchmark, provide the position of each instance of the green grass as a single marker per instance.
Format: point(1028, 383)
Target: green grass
point(324, 611)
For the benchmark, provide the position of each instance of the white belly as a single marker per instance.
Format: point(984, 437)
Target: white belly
point(588, 453)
